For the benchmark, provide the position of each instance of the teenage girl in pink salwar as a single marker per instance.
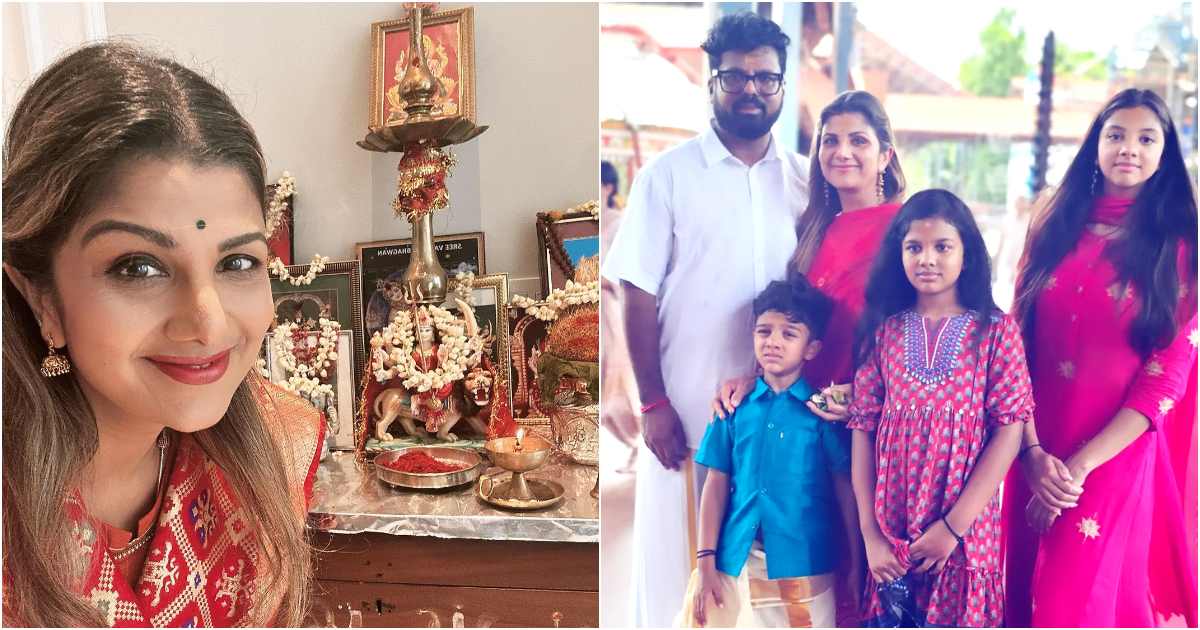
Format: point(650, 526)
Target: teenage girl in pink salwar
point(1096, 533)
point(940, 397)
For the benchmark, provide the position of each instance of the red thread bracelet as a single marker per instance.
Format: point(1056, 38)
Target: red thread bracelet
point(654, 405)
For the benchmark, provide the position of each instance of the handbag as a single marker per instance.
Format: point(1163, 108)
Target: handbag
point(899, 607)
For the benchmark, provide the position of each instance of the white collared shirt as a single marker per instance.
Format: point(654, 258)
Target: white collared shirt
point(705, 233)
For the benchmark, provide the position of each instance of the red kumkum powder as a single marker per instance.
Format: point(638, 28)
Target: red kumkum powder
point(418, 462)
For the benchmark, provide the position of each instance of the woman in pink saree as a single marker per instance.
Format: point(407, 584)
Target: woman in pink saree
point(1096, 533)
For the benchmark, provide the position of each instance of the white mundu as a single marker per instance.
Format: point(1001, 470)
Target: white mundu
point(704, 233)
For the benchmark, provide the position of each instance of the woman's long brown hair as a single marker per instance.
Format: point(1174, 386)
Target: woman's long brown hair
point(91, 110)
point(824, 205)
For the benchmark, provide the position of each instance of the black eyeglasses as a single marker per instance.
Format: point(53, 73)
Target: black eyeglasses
point(734, 81)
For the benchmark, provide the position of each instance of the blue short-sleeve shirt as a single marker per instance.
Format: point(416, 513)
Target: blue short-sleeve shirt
point(780, 459)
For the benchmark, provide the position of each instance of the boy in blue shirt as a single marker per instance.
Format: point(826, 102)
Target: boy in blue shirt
point(778, 484)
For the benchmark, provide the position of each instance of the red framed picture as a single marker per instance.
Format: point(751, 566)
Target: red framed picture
point(448, 39)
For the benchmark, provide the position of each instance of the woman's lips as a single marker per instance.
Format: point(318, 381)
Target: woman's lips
point(193, 370)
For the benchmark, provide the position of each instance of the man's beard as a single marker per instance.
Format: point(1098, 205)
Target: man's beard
point(746, 126)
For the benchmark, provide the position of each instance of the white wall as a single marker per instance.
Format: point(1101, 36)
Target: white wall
point(300, 74)
point(36, 33)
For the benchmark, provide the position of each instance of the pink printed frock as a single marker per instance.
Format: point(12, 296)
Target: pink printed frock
point(933, 392)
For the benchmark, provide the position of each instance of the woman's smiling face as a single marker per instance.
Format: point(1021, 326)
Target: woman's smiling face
point(162, 293)
point(850, 154)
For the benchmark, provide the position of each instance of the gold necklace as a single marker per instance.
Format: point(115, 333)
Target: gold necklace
point(139, 542)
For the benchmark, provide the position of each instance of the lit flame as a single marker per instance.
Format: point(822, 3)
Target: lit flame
point(520, 436)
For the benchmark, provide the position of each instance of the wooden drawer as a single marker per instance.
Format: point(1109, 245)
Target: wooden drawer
point(390, 559)
point(416, 605)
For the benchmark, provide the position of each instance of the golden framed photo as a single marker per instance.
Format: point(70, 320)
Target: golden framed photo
point(448, 38)
point(565, 238)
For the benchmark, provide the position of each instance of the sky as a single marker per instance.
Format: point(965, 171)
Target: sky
point(907, 25)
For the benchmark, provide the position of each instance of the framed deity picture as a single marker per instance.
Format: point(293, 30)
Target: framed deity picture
point(282, 245)
point(527, 341)
point(489, 297)
point(383, 264)
point(566, 238)
point(335, 294)
point(339, 409)
point(448, 38)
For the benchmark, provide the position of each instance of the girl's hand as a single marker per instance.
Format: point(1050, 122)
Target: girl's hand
point(1040, 516)
point(881, 560)
point(731, 394)
point(834, 410)
point(933, 548)
point(1050, 479)
point(708, 585)
point(1078, 470)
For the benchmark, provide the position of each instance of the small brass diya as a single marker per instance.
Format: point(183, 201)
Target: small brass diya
point(519, 455)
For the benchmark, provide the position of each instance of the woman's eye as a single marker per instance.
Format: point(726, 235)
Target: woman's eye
point(136, 268)
point(1147, 140)
point(859, 141)
point(912, 249)
point(1114, 136)
point(240, 262)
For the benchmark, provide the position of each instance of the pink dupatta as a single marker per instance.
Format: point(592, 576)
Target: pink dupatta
point(1126, 555)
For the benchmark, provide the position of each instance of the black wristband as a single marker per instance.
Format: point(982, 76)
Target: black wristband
point(1021, 455)
point(951, 530)
point(703, 553)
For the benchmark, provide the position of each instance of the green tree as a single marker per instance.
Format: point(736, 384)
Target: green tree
point(1079, 63)
point(1003, 58)
point(975, 170)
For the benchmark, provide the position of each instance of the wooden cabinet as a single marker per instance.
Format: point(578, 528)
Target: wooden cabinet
point(413, 581)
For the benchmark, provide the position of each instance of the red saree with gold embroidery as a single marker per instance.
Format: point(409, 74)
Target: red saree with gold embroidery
point(201, 568)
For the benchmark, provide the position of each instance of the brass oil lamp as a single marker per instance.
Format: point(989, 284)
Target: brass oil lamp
point(421, 182)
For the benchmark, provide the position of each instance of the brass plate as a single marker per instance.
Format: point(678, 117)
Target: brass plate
point(474, 465)
point(546, 493)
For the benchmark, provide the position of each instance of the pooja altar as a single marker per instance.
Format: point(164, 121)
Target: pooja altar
point(496, 494)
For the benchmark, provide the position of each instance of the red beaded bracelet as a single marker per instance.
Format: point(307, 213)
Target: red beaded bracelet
point(648, 407)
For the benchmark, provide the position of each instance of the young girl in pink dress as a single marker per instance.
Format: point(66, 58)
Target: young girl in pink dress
point(1096, 533)
point(940, 397)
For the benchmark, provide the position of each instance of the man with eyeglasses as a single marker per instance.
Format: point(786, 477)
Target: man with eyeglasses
point(707, 226)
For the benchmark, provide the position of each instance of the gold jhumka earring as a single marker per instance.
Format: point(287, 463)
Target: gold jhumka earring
point(54, 364)
point(879, 187)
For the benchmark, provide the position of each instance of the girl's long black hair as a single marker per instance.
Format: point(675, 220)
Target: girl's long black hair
point(888, 289)
point(1162, 217)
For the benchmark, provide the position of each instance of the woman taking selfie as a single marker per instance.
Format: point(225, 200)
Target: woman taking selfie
point(150, 476)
